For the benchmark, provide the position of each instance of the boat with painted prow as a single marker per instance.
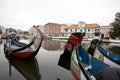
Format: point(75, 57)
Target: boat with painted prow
point(83, 66)
point(65, 58)
point(90, 68)
point(99, 52)
point(23, 50)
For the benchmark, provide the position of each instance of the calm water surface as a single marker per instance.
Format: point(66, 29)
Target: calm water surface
point(43, 67)
point(45, 64)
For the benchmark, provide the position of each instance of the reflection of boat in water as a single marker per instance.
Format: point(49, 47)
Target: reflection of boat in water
point(23, 50)
point(83, 66)
point(28, 67)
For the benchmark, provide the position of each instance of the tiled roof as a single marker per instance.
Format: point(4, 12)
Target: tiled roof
point(50, 23)
point(63, 24)
point(94, 25)
point(74, 26)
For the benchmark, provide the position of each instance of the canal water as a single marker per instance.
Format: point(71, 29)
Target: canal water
point(42, 67)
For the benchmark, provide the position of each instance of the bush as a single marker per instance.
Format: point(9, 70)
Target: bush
point(106, 38)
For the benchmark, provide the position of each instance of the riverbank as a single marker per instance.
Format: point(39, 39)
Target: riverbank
point(90, 39)
point(111, 41)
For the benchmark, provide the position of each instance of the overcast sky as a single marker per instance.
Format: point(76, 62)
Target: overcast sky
point(22, 14)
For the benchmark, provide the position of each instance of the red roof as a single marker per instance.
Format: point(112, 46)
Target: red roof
point(94, 25)
point(74, 26)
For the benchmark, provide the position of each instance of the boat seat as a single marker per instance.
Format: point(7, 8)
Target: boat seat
point(14, 47)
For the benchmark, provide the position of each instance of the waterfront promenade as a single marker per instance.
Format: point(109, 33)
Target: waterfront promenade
point(90, 39)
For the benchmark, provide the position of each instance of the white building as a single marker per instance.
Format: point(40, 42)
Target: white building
point(91, 30)
point(3, 29)
point(105, 31)
point(64, 29)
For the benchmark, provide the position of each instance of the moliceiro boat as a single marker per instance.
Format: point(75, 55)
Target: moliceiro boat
point(98, 51)
point(65, 58)
point(23, 50)
point(83, 66)
point(92, 67)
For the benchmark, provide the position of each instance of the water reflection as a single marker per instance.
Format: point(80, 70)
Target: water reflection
point(53, 45)
point(28, 68)
point(113, 47)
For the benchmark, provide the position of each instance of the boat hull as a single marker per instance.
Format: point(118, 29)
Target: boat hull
point(23, 55)
point(96, 50)
point(23, 50)
point(113, 60)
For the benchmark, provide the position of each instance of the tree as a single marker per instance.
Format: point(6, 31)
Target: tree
point(115, 31)
point(0, 31)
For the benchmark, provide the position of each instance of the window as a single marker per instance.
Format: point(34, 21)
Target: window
point(98, 30)
point(80, 30)
point(80, 25)
point(88, 30)
point(75, 30)
point(95, 30)
point(97, 34)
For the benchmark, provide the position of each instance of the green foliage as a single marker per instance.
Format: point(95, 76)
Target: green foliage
point(0, 31)
point(115, 49)
point(115, 31)
point(106, 38)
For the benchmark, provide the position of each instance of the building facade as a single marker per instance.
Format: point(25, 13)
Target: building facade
point(105, 31)
point(52, 29)
point(90, 30)
point(64, 29)
point(73, 28)
point(3, 30)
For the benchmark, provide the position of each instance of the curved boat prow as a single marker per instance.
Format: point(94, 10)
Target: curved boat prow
point(86, 67)
point(65, 58)
point(25, 50)
point(82, 65)
point(97, 51)
point(92, 46)
point(110, 57)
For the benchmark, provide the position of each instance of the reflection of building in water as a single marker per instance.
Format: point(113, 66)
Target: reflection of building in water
point(62, 45)
point(52, 45)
